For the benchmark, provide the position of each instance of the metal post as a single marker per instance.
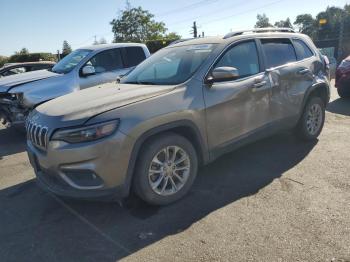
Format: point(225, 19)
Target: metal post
point(194, 29)
point(341, 38)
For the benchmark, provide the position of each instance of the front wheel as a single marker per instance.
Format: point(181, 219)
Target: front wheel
point(312, 120)
point(166, 169)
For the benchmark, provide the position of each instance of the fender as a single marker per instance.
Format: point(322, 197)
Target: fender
point(316, 86)
point(202, 150)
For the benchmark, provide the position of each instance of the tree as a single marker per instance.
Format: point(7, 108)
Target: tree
point(102, 41)
point(172, 36)
point(3, 60)
point(306, 24)
point(284, 23)
point(23, 51)
point(66, 49)
point(333, 16)
point(263, 21)
point(137, 25)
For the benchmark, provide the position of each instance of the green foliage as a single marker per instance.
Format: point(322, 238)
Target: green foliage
point(138, 25)
point(306, 24)
point(23, 51)
point(284, 23)
point(262, 21)
point(172, 36)
point(3, 60)
point(102, 41)
point(32, 57)
point(66, 49)
point(334, 17)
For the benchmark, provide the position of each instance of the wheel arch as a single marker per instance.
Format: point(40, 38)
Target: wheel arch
point(318, 89)
point(185, 128)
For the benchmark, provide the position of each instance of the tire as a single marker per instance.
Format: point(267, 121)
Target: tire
point(343, 92)
point(152, 157)
point(305, 130)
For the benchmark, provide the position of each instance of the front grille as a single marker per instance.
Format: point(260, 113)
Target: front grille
point(37, 134)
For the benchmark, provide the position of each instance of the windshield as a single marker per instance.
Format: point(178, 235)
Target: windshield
point(170, 66)
point(70, 61)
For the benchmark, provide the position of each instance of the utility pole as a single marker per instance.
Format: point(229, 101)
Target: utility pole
point(194, 27)
point(341, 38)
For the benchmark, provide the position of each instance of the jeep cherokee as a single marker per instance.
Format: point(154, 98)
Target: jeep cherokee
point(183, 107)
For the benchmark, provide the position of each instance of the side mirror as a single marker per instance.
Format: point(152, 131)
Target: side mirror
point(88, 70)
point(225, 73)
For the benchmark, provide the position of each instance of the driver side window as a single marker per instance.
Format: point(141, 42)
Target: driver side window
point(244, 57)
point(105, 61)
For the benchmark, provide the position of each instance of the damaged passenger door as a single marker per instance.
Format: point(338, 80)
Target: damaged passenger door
point(236, 108)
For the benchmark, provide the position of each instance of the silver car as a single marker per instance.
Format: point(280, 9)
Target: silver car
point(183, 107)
point(83, 68)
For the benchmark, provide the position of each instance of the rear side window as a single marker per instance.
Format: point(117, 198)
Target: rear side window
point(14, 71)
point(132, 56)
point(302, 50)
point(243, 57)
point(278, 52)
point(105, 61)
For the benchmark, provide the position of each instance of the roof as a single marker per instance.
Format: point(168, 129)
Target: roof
point(109, 46)
point(237, 35)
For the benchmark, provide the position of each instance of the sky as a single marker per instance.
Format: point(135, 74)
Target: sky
point(42, 25)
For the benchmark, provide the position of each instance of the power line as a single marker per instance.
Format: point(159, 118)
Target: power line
point(209, 13)
point(185, 8)
point(243, 12)
point(238, 13)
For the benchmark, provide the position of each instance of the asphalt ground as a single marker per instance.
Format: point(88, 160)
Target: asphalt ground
point(275, 200)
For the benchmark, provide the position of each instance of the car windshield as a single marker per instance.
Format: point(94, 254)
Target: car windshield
point(70, 61)
point(170, 66)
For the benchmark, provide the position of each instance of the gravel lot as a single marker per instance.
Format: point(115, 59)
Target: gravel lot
point(275, 200)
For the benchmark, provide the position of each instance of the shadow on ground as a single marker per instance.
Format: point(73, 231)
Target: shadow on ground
point(12, 141)
point(339, 106)
point(36, 226)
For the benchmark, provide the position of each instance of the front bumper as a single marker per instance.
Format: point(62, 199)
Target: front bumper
point(94, 170)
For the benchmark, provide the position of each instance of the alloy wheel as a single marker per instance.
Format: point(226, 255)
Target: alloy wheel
point(314, 119)
point(169, 170)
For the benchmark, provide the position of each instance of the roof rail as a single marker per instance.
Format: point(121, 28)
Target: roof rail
point(180, 41)
point(260, 30)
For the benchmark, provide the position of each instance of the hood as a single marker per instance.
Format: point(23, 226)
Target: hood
point(78, 107)
point(10, 82)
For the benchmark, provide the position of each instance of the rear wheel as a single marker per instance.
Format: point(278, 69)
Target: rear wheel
point(166, 169)
point(312, 120)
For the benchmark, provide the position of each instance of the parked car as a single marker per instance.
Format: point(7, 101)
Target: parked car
point(18, 68)
point(185, 106)
point(342, 79)
point(83, 68)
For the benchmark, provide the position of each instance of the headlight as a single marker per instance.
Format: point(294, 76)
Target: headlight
point(87, 133)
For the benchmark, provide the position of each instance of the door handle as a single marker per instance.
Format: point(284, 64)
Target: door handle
point(303, 71)
point(259, 84)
